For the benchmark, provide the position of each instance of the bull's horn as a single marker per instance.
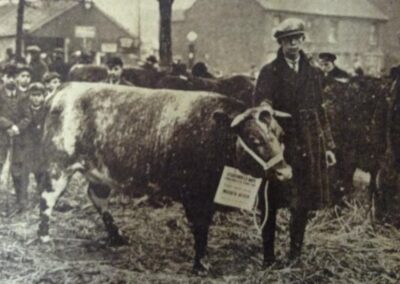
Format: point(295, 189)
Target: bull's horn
point(278, 113)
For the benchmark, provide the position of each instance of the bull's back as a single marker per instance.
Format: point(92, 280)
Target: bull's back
point(134, 132)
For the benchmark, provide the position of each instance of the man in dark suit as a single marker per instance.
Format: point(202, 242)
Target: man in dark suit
point(115, 68)
point(292, 85)
point(14, 119)
point(328, 66)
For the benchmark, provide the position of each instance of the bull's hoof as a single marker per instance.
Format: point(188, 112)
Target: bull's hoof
point(44, 239)
point(201, 268)
point(117, 241)
point(268, 262)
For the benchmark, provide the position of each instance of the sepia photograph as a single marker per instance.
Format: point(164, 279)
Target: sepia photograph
point(199, 141)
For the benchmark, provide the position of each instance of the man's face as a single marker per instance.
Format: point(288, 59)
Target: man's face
point(24, 78)
point(115, 72)
point(326, 66)
point(37, 99)
point(53, 84)
point(291, 45)
point(9, 82)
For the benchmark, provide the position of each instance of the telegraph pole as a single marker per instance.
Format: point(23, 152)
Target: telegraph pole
point(20, 30)
point(165, 32)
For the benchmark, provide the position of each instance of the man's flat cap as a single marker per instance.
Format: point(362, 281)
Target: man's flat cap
point(48, 76)
point(289, 27)
point(327, 56)
point(33, 48)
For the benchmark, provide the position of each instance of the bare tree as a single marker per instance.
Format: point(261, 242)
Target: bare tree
point(20, 31)
point(165, 32)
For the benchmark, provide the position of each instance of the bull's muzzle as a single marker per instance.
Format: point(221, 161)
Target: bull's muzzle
point(282, 172)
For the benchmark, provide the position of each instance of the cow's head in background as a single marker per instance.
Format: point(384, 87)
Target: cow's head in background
point(259, 151)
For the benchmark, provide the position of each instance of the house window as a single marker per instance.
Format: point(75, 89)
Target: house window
point(333, 31)
point(373, 34)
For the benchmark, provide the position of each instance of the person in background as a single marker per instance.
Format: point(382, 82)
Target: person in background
point(290, 84)
point(24, 76)
point(38, 66)
point(14, 119)
point(58, 65)
point(52, 81)
point(151, 63)
point(115, 68)
point(329, 68)
point(200, 69)
point(33, 134)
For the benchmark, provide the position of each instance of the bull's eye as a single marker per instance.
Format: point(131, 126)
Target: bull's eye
point(255, 141)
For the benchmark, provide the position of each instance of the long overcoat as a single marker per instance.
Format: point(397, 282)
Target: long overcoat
point(307, 133)
point(13, 111)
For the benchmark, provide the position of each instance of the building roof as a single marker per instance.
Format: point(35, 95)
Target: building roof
point(36, 17)
point(339, 8)
point(336, 8)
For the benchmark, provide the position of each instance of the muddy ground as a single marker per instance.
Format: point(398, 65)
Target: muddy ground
point(341, 246)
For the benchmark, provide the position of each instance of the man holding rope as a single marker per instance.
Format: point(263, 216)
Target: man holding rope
point(290, 84)
point(14, 119)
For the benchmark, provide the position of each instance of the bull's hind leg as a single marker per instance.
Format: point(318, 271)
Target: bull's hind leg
point(53, 186)
point(99, 194)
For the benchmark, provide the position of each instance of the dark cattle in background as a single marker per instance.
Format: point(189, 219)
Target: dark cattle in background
point(239, 87)
point(358, 113)
point(141, 77)
point(122, 137)
point(87, 73)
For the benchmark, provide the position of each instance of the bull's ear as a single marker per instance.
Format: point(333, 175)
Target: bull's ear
point(222, 118)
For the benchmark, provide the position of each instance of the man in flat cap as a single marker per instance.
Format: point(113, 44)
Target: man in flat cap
point(58, 63)
point(290, 84)
point(38, 66)
point(24, 75)
point(328, 66)
point(115, 68)
point(14, 119)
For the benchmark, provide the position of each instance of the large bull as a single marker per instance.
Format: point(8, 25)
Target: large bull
point(126, 137)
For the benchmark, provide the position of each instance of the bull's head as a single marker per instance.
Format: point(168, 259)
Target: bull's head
point(259, 151)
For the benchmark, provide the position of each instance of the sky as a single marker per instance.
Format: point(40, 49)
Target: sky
point(125, 12)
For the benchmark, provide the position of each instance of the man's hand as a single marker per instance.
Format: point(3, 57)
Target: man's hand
point(13, 131)
point(330, 158)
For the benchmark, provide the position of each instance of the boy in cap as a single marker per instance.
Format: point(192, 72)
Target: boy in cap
point(290, 84)
point(14, 119)
point(34, 132)
point(51, 81)
point(328, 66)
point(24, 74)
point(115, 70)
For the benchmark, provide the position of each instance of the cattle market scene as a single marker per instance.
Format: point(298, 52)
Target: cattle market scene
point(199, 141)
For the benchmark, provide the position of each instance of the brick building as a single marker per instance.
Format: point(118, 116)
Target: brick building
point(233, 35)
point(391, 36)
point(71, 25)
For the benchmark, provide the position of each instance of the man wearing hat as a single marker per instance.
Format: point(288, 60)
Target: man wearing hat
point(290, 84)
point(328, 66)
point(51, 81)
point(114, 72)
point(38, 66)
point(14, 119)
point(58, 64)
point(24, 74)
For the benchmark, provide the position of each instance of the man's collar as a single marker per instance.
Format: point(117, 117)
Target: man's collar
point(23, 89)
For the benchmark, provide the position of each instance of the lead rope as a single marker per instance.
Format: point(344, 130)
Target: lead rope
point(260, 228)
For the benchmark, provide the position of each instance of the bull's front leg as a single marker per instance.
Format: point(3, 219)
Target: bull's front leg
point(99, 195)
point(199, 213)
point(298, 224)
point(268, 235)
point(54, 185)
